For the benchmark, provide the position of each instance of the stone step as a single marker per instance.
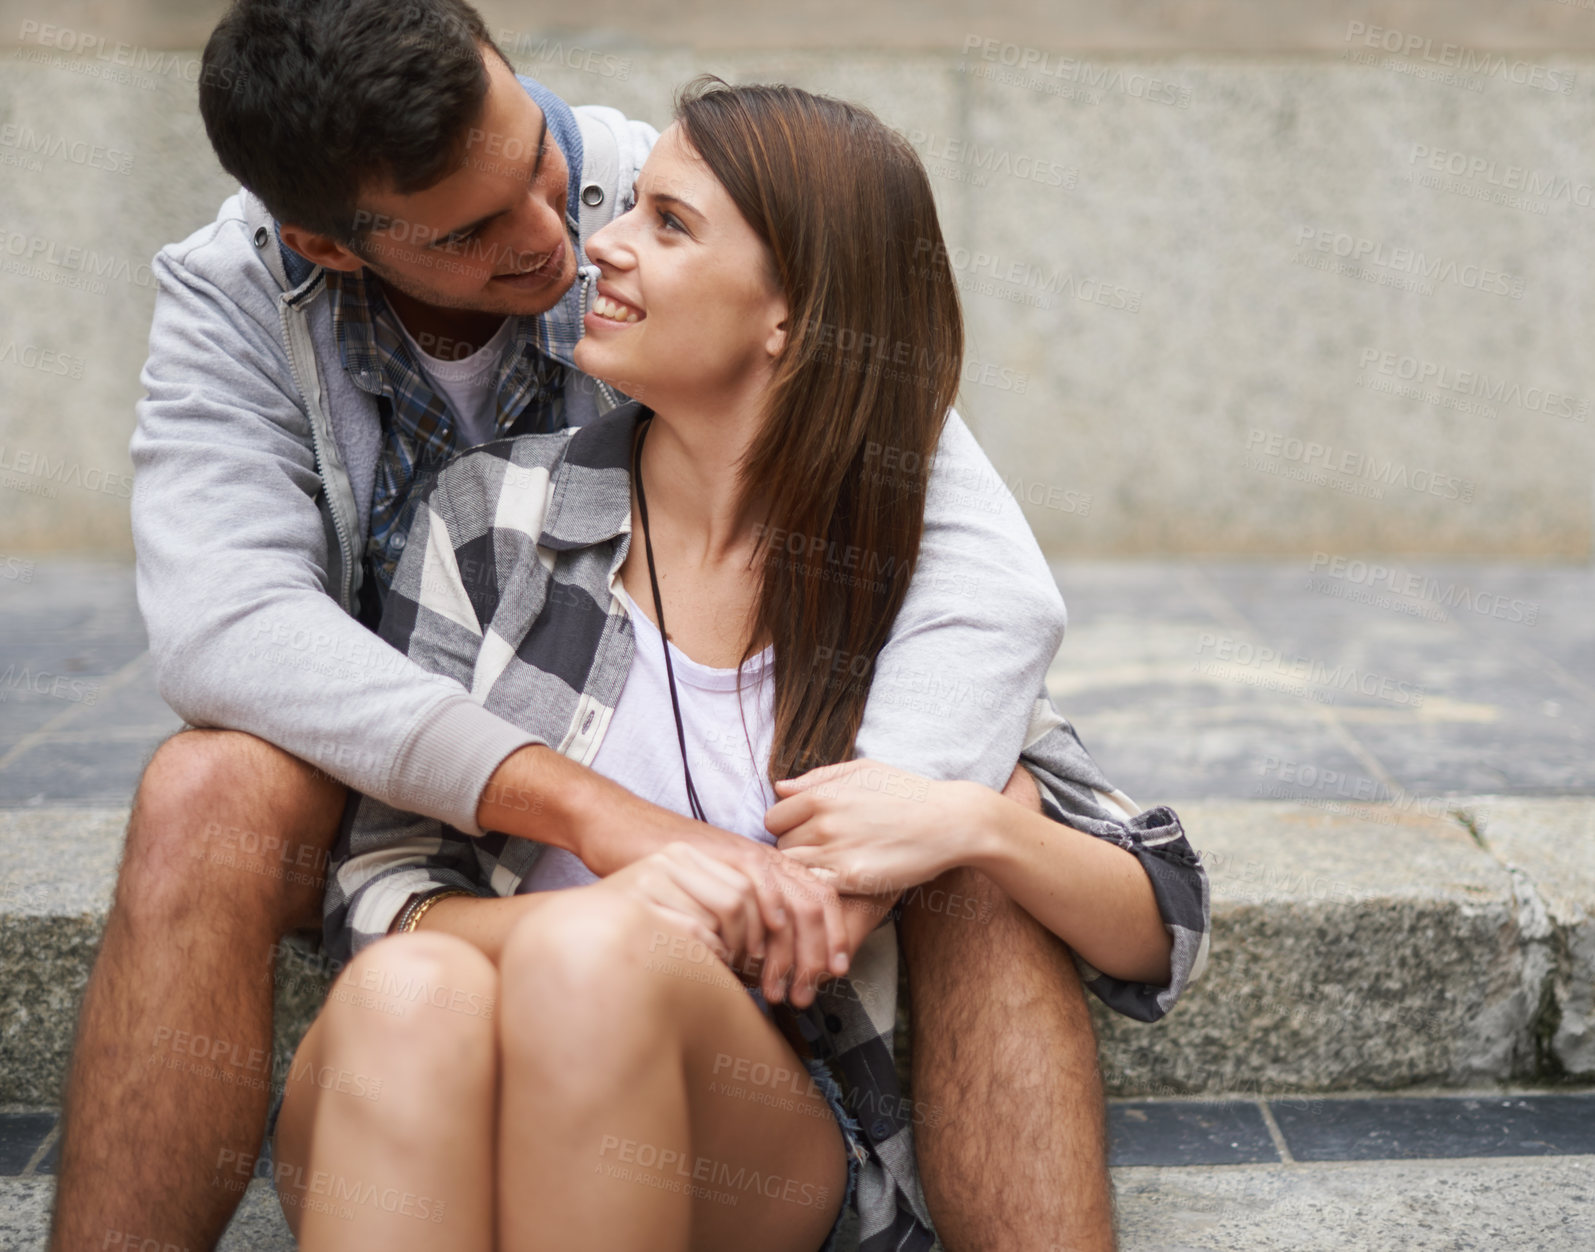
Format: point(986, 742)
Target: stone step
point(1446, 943)
point(1502, 1170)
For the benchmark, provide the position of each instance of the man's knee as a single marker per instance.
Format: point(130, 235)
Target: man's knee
point(963, 929)
point(224, 819)
point(961, 911)
point(198, 771)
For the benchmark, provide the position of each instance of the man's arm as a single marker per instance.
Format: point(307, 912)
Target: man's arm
point(954, 685)
point(232, 552)
point(232, 556)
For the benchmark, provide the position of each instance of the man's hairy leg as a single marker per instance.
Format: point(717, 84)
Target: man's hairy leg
point(1015, 1157)
point(226, 852)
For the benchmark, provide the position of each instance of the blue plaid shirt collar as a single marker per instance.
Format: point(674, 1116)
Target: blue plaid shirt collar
point(419, 437)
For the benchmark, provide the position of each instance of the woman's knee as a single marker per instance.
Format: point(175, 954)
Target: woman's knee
point(583, 966)
point(412, 1012)
point(422, 985)
point(579, 938)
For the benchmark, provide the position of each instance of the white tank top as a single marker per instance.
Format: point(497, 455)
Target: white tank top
point(641, 753)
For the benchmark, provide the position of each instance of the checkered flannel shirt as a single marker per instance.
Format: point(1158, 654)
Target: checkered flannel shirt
point(507, 585)
point(418, 431)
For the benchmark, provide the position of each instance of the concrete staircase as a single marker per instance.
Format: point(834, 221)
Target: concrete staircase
point(1372, 950)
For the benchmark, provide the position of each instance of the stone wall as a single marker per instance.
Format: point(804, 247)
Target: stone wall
point(1239, 277)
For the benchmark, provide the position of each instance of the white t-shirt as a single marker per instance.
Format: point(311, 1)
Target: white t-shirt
point(469, 385)
point(641, 753)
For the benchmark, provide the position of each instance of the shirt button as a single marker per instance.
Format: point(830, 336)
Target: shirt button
point(833, 1023)
point(592, 195)
point(880, 1129)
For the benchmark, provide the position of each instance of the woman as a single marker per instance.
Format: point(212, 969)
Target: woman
point(547, 1060)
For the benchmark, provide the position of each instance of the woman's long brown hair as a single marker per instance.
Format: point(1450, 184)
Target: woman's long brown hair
point(871, 366)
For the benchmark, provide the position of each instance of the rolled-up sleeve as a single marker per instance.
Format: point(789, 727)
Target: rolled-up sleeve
point(1075, 792)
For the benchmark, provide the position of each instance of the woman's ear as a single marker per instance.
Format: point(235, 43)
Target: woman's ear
point(775, 344)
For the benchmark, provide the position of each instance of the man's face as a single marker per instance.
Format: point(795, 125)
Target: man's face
point(490, 237)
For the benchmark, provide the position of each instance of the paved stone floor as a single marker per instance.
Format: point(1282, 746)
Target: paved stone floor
point(1493, 1171)
point(1276, 680)
point(1186, 680)
point(1184, 1133)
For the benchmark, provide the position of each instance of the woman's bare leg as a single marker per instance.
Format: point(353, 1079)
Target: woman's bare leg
point(385, 1140)
point(624, 1125)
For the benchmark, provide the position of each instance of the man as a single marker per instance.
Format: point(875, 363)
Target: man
point(412, 208)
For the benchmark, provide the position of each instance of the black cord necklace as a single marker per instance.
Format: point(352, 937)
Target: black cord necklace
point(659, 615)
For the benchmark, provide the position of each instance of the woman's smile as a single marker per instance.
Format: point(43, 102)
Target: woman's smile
point(611, 308)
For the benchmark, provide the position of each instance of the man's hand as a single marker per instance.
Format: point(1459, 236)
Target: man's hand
point(538, 794)
point(809, 937)
point(715, 903)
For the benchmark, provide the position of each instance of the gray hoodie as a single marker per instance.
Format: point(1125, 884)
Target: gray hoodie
point(254, 458)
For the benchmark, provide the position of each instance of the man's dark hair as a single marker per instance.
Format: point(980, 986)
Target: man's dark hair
point(309, 102)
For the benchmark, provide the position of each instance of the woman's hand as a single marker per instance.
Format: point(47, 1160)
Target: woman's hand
point(714, 901)
point(874, 829)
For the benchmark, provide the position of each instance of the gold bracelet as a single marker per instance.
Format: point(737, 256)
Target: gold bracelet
point(414, 912)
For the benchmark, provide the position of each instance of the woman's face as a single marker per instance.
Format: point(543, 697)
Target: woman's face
point(688, 314)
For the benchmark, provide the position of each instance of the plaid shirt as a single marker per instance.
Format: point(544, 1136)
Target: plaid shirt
point(507, 585)
point(418, 431)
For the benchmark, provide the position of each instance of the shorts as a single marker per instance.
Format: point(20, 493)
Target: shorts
point(852, 1147)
